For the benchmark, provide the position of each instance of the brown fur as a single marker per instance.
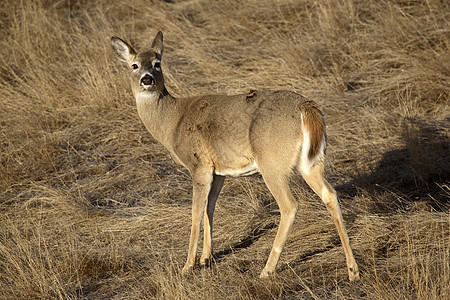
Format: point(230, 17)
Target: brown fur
point(315, 123)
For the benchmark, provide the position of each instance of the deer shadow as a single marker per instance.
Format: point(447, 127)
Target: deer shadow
point(417, 173)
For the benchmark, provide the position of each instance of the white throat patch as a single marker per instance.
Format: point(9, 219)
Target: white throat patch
point(146, 96)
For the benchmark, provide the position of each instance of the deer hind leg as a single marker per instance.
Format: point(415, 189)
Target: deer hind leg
point(315, 179)
point(216, 186)
point(202, 180)
point(278, 185)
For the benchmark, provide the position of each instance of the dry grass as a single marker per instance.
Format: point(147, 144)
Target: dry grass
point(92, 207)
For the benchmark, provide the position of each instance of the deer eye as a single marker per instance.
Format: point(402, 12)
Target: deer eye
point(134, 66)
point(157, 65)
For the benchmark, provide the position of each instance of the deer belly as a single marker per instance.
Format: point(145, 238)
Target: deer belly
point(249, 169)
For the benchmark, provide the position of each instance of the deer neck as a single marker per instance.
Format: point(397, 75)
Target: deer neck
point(160, 113)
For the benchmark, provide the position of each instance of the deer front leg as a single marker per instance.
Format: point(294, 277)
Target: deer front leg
point(216, 186)
point(202, 180)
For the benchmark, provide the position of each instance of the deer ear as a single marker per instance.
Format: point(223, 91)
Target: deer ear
point(157, 44)
point(124, 51)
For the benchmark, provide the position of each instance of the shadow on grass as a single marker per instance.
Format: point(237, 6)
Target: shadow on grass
point(245, 242)
point(416, 173)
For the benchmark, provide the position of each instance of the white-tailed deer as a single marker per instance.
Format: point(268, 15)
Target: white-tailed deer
point(271, 132)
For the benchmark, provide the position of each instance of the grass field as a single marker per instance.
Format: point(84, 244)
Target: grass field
point(92, 207)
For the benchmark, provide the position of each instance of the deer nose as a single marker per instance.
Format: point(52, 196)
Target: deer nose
point(147, 79)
